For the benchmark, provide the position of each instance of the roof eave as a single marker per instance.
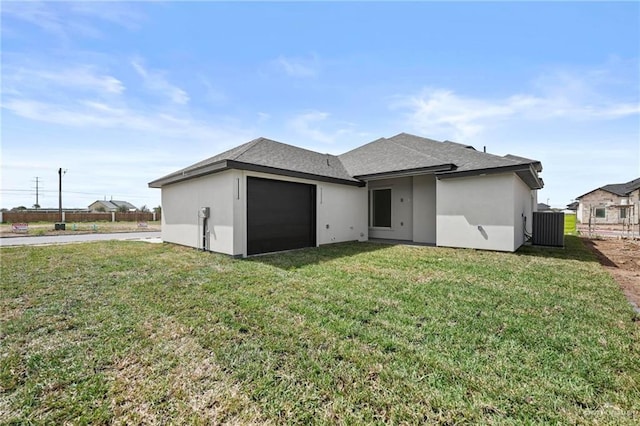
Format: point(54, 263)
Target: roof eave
point(526, 172)
point(191, 174)
point(407, 172)
point(239, 165)
point(605, 190)
point(232, 164)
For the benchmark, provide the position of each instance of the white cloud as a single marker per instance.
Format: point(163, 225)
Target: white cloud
point(80, 77)
point(263, 117)
point(309, 125)
point(90, 113)
point(298, 67)
point(116, 12)
point(156, 82)
point(212, 94)
point(444, 113)
point(306, 125)
point(66, 20)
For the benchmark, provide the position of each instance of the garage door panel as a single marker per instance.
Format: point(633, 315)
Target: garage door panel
point(280, 215)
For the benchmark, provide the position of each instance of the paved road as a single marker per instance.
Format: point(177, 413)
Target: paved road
point(78, 238)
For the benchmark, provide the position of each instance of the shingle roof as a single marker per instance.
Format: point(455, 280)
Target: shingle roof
point(126, 204)
point(392, 155)
point(403, 153)
point(270, 156)
point(114, 204)
point(620, 189)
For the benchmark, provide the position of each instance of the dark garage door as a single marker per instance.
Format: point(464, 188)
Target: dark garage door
point(280, 215)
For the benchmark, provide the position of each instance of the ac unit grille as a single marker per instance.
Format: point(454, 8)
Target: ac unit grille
point(548, 229)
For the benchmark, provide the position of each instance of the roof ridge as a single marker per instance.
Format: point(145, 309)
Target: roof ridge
point(249, 146)
point(413, 150)
point(632, 185)
point(358, 147)
point(474, 151)
point(460, 144)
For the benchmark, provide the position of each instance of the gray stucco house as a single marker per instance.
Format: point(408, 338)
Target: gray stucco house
point(266, 196)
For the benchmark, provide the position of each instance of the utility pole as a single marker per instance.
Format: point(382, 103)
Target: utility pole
point(37, 204)
point(60, 193)
point(60, 225)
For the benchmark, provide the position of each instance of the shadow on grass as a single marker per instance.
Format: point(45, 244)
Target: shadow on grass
point(602, 258)
point(575, 248)
point(315, 255)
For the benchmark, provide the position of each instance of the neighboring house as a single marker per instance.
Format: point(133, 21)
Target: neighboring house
point(110, 206)
point(542, 207)
point(610, 204)
point(267, 196)
point(573, 206)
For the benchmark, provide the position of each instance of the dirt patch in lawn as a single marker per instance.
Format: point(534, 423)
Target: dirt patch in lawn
point(622, 259)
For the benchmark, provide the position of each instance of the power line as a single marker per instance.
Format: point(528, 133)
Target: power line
point(76, 192)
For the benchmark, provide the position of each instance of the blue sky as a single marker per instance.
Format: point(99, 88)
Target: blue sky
point(121, 93)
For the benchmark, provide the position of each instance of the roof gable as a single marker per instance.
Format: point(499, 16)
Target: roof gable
point(114, 204)
point(126, 204)
point(270, 156)
point(403, 154)
point(619, 189)
point(389, 156)
point(406, 152)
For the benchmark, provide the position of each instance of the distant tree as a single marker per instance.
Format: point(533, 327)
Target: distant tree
point(101, 209)
point(36, 206)
point(4, 210)
point(158, 209)
point(19, 208)
point(122, 209)
point(144, 209)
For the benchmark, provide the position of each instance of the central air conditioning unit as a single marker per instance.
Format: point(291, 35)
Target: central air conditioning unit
point(548, 229)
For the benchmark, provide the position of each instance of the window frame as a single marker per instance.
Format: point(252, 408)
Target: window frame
point(372, 210)
point(604, 213)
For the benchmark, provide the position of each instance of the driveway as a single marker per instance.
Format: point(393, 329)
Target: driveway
point(79, 238)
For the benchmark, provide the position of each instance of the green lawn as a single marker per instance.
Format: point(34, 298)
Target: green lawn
point(570, 224)
point(129, 332)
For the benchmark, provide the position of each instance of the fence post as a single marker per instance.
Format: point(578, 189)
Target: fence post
point(154, 216)
point(63, 216)
point(113, 216)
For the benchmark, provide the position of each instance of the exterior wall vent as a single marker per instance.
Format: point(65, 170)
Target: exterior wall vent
point(548, 229)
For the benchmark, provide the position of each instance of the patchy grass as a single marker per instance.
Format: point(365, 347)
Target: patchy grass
point(127, 332)
point(98, 227)
point(570, 224)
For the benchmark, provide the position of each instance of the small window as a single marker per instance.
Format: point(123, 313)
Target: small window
point(600, 212)
point(623, 213)
point(381, 208)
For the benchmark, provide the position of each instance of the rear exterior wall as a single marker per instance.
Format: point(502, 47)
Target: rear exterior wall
point(180, 205)
point(482, 212)
point(341, 211)
point(401, 209)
